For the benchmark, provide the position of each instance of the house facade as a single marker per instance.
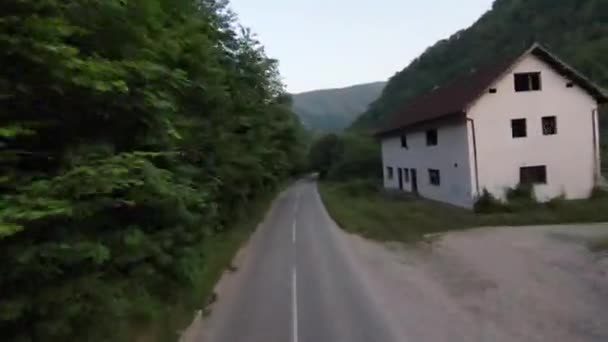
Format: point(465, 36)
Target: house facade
point(531, 120)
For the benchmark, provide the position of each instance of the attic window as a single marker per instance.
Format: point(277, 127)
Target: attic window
point(431, 137)
point(569, 85)
point(493, 91)
point(404, 141)
point(529, 81)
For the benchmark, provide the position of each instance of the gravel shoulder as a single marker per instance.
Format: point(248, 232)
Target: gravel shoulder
point(492, 284)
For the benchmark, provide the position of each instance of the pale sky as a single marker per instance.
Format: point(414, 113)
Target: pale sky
point(336, 43)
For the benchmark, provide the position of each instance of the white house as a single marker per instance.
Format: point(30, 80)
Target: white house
point(531, 120)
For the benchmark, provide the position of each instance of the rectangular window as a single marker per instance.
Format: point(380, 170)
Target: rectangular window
point(431, 137)
point(529, 81)
point(390, 173)
point(404, 141)
point(533, 175)
point(407, 175)
point(434, 177)
point(549, 125)
point(493, 91)
point(518, 128)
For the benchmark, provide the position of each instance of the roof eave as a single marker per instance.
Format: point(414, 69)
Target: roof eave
point(381, 134)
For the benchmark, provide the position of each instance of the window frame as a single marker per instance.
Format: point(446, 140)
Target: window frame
point(403, 139)
point(542, 123)
point(390, 173)
point(434, 177)
point(513, 128)
point(533, 179)
point(429, 137)
point(533, 81)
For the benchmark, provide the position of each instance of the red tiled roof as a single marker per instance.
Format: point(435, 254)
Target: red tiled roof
point(454, 98)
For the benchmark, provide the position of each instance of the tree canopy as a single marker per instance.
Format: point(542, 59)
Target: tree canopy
point(129, 132)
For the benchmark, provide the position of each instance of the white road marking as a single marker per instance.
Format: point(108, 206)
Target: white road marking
point(293, 232)
point(294, 306)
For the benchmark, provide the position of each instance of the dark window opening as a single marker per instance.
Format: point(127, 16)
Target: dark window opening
point(493, 91)
point(431, 137)
point(390, 173)
point(518, 128)
point(529, 81)
point(434, 177)
point(533, 175)
point(407, 175)
point(404, 141)
point(569, 85)
point(549, 125)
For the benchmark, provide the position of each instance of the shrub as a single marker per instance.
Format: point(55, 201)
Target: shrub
point(521, 193)
point(557, 202)
point(598, 193)
point(487, 203)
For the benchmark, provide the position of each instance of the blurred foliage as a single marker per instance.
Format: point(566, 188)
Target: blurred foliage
point(347, 156)
point(574, 30)
point(130, 132)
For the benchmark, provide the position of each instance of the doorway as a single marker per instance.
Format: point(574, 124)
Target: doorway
point(400, 171)
point(414, 176)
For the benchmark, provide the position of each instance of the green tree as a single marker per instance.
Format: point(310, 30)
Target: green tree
point(130, 131)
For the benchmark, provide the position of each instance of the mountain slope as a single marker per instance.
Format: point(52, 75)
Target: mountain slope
point(335, 109)
point(575, 30)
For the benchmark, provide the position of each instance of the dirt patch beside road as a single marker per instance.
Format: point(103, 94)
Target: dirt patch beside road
point(501, 284)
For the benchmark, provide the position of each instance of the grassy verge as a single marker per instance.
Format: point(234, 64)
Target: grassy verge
point(360, 207)
point(221, 247)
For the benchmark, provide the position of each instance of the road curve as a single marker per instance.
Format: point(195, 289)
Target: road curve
point(296, 282)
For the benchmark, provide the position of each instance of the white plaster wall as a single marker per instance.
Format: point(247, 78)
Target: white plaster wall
point(450, 156)
point(569, 155)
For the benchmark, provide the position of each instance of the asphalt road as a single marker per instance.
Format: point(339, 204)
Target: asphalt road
point(296, 282)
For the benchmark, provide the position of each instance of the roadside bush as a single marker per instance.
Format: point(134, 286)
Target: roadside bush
point(598, 193)
point(487, 204)
point(557, 202)
point(520, 193)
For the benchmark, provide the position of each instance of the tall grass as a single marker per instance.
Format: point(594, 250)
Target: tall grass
point(363, 208)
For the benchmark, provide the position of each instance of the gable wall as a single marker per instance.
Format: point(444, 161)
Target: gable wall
point(569, 155)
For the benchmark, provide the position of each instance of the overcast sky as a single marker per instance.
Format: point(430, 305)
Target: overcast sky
point(336, 43)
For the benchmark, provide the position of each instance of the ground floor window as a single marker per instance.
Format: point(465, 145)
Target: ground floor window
point(390, 172)
point(434, 177)
point(407, 175)
point(533, 175)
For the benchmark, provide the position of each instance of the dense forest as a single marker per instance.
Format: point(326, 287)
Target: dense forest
point(575, 30)
point(130, 132)
point(333, 110)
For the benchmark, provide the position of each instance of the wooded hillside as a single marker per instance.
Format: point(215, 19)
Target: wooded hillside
point(130, 132)
point(331, 110)
point(577, 31)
